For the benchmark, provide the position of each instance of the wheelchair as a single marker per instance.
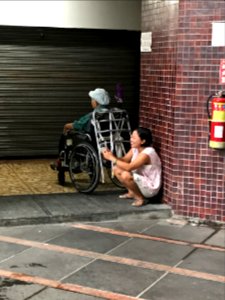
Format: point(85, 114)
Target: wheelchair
point(82, 157)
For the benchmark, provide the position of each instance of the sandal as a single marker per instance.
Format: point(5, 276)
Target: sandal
point(125, 196)
point(138, 203)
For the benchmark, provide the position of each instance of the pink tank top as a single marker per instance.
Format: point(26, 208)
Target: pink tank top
point(151, 172)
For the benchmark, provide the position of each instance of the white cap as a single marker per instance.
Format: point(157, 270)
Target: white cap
point(100, 95)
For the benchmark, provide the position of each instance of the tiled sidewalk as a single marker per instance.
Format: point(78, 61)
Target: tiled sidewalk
point(27, 177)
point(30, 194)
point(140, 259)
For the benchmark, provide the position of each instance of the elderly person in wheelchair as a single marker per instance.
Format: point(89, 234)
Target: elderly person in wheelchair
point(82, 143)
point(99, 101)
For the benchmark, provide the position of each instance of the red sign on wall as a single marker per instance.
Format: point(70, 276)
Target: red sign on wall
point(222, 71)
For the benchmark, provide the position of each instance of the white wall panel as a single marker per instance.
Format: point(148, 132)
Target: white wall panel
point(96, 14)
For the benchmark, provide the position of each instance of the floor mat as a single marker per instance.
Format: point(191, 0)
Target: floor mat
point(25, 177)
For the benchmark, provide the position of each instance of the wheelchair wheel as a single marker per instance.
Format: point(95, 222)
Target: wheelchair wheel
point(84, 168)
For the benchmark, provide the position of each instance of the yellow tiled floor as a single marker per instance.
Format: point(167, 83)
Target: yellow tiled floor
point(25, 177)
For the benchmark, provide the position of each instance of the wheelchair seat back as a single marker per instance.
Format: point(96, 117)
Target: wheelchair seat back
point(111, 127)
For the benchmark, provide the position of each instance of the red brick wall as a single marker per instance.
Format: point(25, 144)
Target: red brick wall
point(176, 79)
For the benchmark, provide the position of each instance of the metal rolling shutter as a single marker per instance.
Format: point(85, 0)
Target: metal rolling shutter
point(45, 76)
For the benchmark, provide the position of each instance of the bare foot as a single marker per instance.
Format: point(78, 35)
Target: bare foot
point(126, 196)
point(138, 202)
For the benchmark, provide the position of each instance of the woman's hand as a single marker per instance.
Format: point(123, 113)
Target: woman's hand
point(107, 154)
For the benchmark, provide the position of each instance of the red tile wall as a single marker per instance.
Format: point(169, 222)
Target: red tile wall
point(176, 79)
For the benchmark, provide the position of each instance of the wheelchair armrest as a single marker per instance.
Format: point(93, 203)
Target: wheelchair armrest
point(78, 136)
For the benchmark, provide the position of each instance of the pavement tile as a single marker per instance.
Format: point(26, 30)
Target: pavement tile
point(89, 240)
point(129, 226)
point(7, 250)
point(173, 287)
point(9, 288)
point(19, 208)
point(69, 204)
point(102, 202)
point(25, 177)
point(34, 176)
point(186, 233)
point(38, 233)
point(55, 294)
point(152, 251)
point(114, 277)
point(206, 261)
point(52, 208)
point(111, 276)
point(13, 187)
point(218, 239)
point(66, 205)
point(44, 263)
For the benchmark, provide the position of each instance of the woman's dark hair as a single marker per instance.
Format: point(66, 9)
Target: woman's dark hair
point(145, 134)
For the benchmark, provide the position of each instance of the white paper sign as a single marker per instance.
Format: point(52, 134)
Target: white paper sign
point(218, 132)
point(146, 42)
point(218, 34)
point(222, 71)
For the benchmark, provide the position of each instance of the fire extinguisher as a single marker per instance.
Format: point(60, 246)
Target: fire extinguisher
point(216, 120)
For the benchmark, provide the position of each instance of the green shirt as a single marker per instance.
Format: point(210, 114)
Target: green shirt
point(83, 124)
